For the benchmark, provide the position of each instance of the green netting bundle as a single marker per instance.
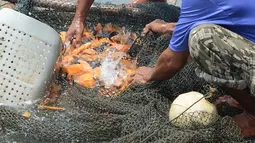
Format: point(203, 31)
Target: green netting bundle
point(139, 114)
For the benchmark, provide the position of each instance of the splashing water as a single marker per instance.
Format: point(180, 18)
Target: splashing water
point(110, 70)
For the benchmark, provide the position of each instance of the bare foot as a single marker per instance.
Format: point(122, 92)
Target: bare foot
point(231, 101)
point(246, 123)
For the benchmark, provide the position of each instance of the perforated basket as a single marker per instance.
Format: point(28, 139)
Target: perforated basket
point(28, 53)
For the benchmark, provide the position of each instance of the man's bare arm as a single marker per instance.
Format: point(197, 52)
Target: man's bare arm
point(169, 63)
point(77, 26)
point(83, 7)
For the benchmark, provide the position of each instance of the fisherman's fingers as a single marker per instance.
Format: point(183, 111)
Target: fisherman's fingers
point(78, 36)
point(146, 29)
point(69, 34)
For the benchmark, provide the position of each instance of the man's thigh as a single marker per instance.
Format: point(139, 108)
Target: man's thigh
point(224, 57)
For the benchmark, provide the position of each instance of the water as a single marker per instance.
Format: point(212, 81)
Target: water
point(110, 70)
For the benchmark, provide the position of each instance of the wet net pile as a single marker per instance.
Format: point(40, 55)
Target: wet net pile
point(139, 114)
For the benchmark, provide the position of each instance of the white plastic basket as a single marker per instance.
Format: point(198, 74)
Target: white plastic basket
point(28, 52)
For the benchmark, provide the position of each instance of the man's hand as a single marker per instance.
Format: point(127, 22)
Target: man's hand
point(76, 29)
point(159, 26)
point(169, 63)
point(141, 76)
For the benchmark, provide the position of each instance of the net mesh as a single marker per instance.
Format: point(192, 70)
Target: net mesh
point(138, 114)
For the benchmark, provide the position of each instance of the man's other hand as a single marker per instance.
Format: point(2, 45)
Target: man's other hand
point(75, 30)
point(141, 76)
point(159, 26)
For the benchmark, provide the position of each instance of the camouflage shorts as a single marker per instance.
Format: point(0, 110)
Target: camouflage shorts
point(224, 57)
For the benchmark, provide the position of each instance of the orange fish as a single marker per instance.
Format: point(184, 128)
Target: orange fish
point(104, 40)
point(98, 27)
point(97, 72)
point(130, 71)
point(89, 58)
point(77, 69)
point(72, 70)
point(62, 36)
point(110, 28)
point(86, 80)
point(89, 52)
point(120, 47)
point(128, 64)
point(122, 38)
point(123, 87)
point(67, 59)
point(98, 42)
point(69, 50)
point(119, 82)
point(81, 48)
point(85, 66)
point(88, 35)
point(125, 81)
point(116, 55)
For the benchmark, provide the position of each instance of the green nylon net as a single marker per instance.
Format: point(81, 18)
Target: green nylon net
point(140, 113)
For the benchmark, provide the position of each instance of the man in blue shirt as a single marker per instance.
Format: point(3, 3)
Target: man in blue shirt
point(219, 35)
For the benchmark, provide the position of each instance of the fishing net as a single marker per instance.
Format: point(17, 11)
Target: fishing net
point(138, 114)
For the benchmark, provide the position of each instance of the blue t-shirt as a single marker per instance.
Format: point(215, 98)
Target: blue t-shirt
point(235, 15)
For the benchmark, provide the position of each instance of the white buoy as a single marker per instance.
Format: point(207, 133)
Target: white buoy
point(201, 114)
